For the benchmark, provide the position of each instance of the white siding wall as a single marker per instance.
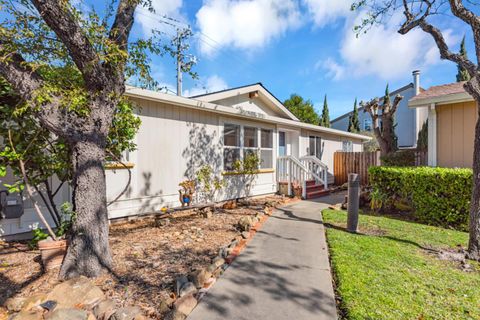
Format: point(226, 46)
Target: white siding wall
point(243, 102)
point(173, 143)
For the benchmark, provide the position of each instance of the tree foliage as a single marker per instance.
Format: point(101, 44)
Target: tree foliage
point(462, 74)
point(422, 139)
point(325, 117)
point(353, 120)
point(302, 109)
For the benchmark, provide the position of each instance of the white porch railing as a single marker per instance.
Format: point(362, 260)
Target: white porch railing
point(320, 169)
point(292, 170)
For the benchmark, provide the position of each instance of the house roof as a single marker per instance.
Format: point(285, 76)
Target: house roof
point(191, 103)
point(393, 93)
point(264, 94)
point(442, 94)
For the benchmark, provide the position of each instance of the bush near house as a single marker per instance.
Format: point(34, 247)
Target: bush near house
point(439, 196)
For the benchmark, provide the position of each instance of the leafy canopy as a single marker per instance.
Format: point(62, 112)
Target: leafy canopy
point(325, 118)
point(353, 120)
point(302, 109)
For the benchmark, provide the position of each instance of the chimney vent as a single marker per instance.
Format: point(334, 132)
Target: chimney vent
point(416, 81)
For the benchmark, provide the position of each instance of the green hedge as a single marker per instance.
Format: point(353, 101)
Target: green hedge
point(439, 196)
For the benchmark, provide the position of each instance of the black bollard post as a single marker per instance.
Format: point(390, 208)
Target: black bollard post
point(353, 202)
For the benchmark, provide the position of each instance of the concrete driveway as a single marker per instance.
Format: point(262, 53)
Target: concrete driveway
point(284, 273)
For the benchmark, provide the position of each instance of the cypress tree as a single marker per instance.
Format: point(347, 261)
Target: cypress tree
point(462, 74)
point(325, 119)
point(353, 121)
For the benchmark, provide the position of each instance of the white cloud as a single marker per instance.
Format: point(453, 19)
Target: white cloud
point(327, 11)
point(152, 20)
point(382, 51)
point(245, 24)
point(210, 84)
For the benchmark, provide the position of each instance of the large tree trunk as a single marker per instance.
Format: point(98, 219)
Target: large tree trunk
point(88, 252)
point(474, 236)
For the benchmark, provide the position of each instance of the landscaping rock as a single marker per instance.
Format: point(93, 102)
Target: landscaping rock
point(67, 313)
point(128, 313)
point(15, 304)
point(212, 267)
point(222, 252)
point(188, 288)
point(164, 305)
point(104, 310)
point(34, 301)
point(179, 282)
point(245, 234)
point(218, 261)
point(28, 315)
point(185, 305)
point(76, 292)
point(245, 223)
point(163, 222)
point(230, 205)
point(198, 277)
point(259, 215)
point(207, 212)
point(233, 244)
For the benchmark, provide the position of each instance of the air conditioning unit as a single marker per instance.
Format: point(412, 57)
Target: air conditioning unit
point(11, 205)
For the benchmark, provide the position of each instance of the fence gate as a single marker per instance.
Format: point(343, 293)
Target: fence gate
point(354, 162)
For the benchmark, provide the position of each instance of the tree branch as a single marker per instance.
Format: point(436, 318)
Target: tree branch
point(123, 23)
point(58, 16)
point(458, 10)
point(395, 104)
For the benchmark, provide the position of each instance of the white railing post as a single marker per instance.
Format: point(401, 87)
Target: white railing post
point(304, 189)
point(289, 173)
point(325, 178)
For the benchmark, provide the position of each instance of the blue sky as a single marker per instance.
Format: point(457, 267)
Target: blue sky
point(305, 47)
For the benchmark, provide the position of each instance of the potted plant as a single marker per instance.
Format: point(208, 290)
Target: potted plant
point(53, 250)
point(187, 191)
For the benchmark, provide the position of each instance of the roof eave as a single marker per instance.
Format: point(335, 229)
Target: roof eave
point(207, 106)
point(439, 100)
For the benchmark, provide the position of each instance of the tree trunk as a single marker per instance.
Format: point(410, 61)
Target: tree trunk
point(88, 252)
point(474, 235)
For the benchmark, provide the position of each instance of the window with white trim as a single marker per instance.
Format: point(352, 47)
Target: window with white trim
point(347, 146)
point(241, 140)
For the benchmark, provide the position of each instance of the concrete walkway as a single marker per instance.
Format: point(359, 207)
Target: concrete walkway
point(283, 273)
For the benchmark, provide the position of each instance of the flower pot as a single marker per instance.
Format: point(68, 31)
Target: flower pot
point(52, 252)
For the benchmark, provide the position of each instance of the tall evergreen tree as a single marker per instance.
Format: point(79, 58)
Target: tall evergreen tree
point(462, 74)
point(325, 118)
point(353, 121)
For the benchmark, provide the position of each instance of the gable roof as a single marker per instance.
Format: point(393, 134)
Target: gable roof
point(445, 93)
point(184, 102)
point(408, 86)
point(265, 94)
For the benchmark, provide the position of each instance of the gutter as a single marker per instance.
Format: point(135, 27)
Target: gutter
point(440, 100)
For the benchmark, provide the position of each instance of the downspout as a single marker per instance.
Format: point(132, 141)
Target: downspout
point(416, 91)
point(432, 135)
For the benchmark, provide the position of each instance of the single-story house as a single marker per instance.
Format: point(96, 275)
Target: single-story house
point(452, 115)
point(409, 121)
point(179, 135)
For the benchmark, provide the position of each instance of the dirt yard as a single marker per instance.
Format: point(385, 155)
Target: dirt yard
point(148, 256)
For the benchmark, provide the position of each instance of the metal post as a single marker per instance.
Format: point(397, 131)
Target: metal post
point(353, 202)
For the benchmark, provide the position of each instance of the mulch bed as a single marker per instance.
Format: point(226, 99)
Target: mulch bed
point(147, 256)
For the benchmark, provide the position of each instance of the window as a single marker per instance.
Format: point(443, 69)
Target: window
point(347, 146)
point(315, 146)
point(239, 141)
point(231, 142)
point(367, 124)
point(266, 149)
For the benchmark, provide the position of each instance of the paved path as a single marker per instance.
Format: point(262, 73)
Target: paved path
point(283, 273)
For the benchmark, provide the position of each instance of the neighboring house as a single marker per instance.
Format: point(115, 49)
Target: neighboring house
point(179, 135)
point(452, 115)
point(409, 121)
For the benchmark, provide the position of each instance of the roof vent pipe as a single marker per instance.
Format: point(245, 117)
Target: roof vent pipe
point(416, 81)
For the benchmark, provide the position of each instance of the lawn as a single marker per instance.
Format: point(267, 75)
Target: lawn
point(391, 270)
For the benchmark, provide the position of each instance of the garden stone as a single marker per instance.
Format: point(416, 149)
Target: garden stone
point(28, 315)
point(245, 223)
point(259, 215)
point(163, 222)
point(222, 252)
point(67, 313)
point(187, 288)
point(15, 304)
point(233, 244)
point(33, 301)
point(128, 313)
point(185, 305)
point(198, 277)
point(179, 282)
point(74, 292)
point(245, 234)
point(104, 310)
point(212, 267)
point(218, 261)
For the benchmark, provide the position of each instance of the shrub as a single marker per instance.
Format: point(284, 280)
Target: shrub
point(401, 158)
point(439, 196)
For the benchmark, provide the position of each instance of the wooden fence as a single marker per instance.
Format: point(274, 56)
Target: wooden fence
point(354, 162)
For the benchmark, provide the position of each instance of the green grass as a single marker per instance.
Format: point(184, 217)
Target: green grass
point(388, 272)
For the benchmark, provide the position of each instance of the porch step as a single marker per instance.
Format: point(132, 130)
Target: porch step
point(317, 193)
